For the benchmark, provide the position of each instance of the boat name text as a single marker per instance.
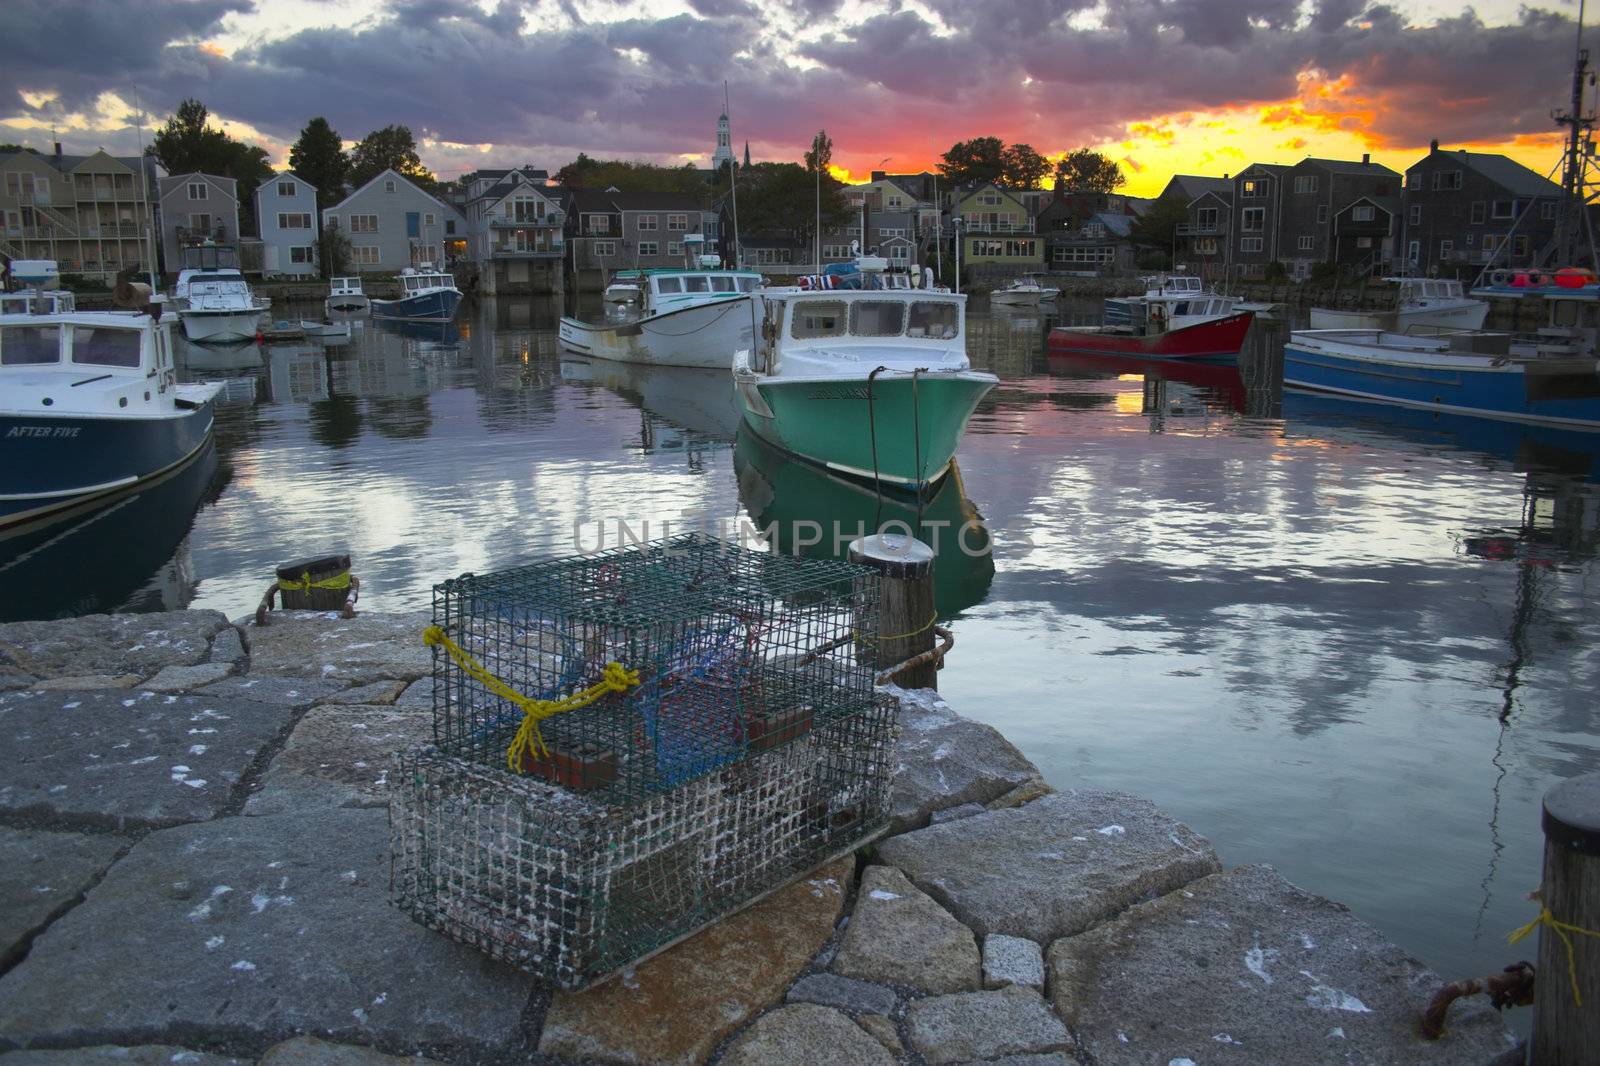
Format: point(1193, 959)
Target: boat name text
point(44, 431)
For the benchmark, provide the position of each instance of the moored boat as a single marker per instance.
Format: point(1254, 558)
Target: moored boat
point(216, 305)
point(874, 384)
point(1475, 373)
point(345, 294)
point(426, 295)
point(325, 331)
point(1024, 292)
point(689, 318)
point(1175, 318)
point(1418, 302)
point(37, 302)
point(90, 406)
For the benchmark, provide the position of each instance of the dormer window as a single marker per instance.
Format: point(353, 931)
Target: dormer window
point(388, 185)
point(197, 190)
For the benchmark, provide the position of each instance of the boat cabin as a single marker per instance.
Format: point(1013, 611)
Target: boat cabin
point(666, 290)
point(1427, 290)
point(103, 362)
point(345, 287)
point(209, 255)
point(928, 327)
point(1160, 311)
point(216, 291)
point(37, 302)
point(414, 281)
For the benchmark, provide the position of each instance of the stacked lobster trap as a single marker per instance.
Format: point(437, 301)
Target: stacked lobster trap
point(632, 744)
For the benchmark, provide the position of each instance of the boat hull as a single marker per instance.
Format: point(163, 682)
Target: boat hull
point(50, 464)
point(437, 306)
point(1469, 314)
point(1016, 299)
point(220, 326)
point(705, 336)
point(1220, 338)
point(346, 303)
point(1563, 394)
point(907, 442)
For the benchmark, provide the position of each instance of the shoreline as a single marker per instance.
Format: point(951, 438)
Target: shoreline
point(195, 814)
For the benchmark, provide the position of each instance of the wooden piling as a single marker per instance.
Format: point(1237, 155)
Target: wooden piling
point(1565, 1032)
point(905, 610)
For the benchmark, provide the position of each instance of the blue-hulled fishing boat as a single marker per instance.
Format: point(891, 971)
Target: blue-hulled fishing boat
point(90, 407)
point(426, 295)
point(1473, 373)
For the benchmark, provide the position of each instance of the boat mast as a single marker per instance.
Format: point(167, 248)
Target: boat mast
point(733, 175)
point(1574, 192)
point(146, 241)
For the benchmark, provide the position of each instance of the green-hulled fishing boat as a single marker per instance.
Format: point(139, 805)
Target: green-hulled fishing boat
point(873, 383)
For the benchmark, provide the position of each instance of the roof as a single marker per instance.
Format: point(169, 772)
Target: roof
point(1349, 166)
point(279, 176)
point(173, 182)
point(1117, 225)
point(1195, 186)
point(389, 173)
point(1505, 172)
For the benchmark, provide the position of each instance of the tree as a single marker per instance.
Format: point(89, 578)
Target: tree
point(1086, 170)
point(1158, 226)
point(626, 176)
point(980, 159)
point(10, 149)
point(319, 157)
point(189, 144)
point(1024, 167)
point(781, 198)
point(821, 153)
point(391, 148)
point(333, 249)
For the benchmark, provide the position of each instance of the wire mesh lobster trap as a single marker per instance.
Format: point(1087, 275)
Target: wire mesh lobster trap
point(631, 744)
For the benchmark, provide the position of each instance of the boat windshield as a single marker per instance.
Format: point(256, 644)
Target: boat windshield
point(105, 347)
point(723, 284)
point(29, 345)
point(749, 284)
point(818, 318)
point(696, 283)
point(877, 318)
point(940, 321)
point(669, 285)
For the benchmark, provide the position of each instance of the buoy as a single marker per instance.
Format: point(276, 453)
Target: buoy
point(1536, 279)
point(261, 338)
point(1574, 277)
point(1520, 281)
point(1500, 277)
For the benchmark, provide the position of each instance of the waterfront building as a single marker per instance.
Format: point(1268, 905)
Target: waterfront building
point(286, 219)
point(1463, 209)
point(612, 230)
point(195, 208)
point(1101, 243)
point(392, 224)
point(516, 229)
point(996, 231)
point(92, 214)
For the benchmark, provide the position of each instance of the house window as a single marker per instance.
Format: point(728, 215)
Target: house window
point(605, 248)
point(678, 222)
point(1503, 209)
point(836, 251)
point(1414, 251)
point(771, 256)
point(649, 248)
point(1520, 246)
point(427, 219)
point(895, 203)
point(1447, 180)
point(1249, 244)
point(1206, 218)
point(990, 199)
point(1307, 244)
point(449, 227)
point(286, 188)
point(1255, 220)
point(1363, 242)
point(1414, 179)
point(900, 251)
point(711, 229)
point(1254, 188)
point(363, 223)
point(301, 253)
point(1477, 212)
point(648, 222)
point(1446, 249)
point(597, 223)
point(1205, 246)
point(200, 223)
point(1471, 239)
point(1547, 210)
point(1416, 214)
point(1322, 214)
point(291, 220)
point(1020, 249)
point(388, 185)
point(889, 234)
point(197, 190)
point(675, 249)
point(1361, 213)
point(1304, 183)
point(364, 254)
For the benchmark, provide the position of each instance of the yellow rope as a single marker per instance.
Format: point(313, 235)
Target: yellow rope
point(1561, 929)
point(902, 636)
point(305, 584)
point(528, 741)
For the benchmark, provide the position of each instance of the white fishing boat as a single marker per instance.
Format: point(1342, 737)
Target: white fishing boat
point(1022, 292)
point(216, 305)
point(688, 317)
point(1418, 302)
point(872, 383)
point(345, 294)
point(90, 406)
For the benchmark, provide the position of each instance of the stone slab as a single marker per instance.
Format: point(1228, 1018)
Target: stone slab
point(40, 873)
point(884, 1031)
point(899, 936)
point(379, 693)
point(804, 1032)
point(257, 930)
point(951, 814)
point(980, 1026)
point(338, 756)
point(675, 1008)
point(108, 643)
point(418, 695)
point(309, 1051)
point(945, 760)
point(128, 759)
point(843, 993)
point(117, 1055)
point(357, 651)
point(82, 681)
point(226, 647)
point(184, 678)
point(1244, 967)
point(1052, 867)
point(282, 691)
point(1012, 960)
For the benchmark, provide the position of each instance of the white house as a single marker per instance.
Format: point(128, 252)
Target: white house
point(286, 219)
point(392, 224)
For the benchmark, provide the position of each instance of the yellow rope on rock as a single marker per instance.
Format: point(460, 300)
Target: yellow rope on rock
point(528, 741)
point(1561, 929)
point(305, 584)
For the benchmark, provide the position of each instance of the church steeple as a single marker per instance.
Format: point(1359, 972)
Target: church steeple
point(746, 153)
point(724, 152)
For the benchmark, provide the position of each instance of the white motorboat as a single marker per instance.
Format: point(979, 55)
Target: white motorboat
point(1024, 292)
point(326, 331)
point(1418, 302)
point(689, 317)
point(216, 305)
point(345, 294)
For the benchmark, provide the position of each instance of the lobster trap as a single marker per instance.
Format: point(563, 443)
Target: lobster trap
point(704, 728)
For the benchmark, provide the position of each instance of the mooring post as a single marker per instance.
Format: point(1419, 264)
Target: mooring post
point(1565, 1032)
point(905, 609)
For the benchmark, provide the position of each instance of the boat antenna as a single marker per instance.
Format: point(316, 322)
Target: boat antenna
point(1577, 123)
point(816, 161)
point(146, 241)
point(733, 175)
point(938, 217)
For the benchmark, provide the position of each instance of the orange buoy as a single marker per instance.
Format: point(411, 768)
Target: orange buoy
point(1520, 281)
point(1574, 277)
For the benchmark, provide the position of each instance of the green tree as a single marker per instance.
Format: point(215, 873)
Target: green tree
point(821, 153)
point(333, 249)
point(980, 159)
point(781, 198)
point(391, 148)
point(1085, 170)
point(189, 144)
point(1024, 167)
point(319, 157)
point(1158, 226)
point(11, 149)
point(628, 176)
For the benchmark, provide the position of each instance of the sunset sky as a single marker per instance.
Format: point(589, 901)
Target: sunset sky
point(1164, 86)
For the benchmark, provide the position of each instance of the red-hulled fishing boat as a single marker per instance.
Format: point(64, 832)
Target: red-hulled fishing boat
point(1174, 319)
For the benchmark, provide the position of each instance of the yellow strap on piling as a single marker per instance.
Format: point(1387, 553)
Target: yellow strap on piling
point(1561, 929)
point(305, 584)
point(615, 678)
point(904, 636)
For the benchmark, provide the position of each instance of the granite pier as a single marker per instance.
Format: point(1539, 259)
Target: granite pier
point(194, 868)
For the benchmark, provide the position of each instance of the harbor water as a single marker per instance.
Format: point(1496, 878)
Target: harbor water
point(1352, 641)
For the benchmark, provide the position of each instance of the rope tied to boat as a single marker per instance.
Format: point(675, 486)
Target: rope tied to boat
point(340, 580)
point(1561, 929)
point(529, 741)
